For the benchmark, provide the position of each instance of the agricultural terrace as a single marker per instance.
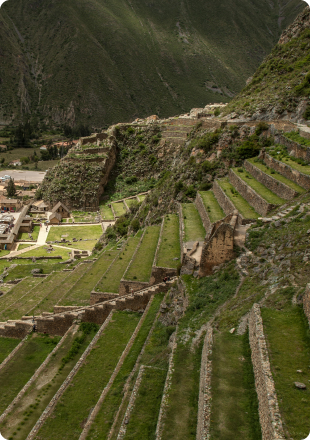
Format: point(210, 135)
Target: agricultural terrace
point(194, 230)
point(214, 210)
point(131, 202)
point(7, 345)
point(169, 250)
point(141, 267)
point(106, 212)
point(119, 209)
point(239, 202)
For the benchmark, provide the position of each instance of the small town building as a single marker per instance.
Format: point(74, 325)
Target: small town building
point(39, 206)
point(54, 218)
point(11, 205)
point(61, 209)
point(15, 163)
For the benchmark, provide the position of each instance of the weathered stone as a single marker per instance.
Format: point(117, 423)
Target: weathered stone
point(300, 385)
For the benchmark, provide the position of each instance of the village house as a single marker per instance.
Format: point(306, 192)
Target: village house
point(55, 218)
point(15, 163)
point(61, 209)
point(12, 205)
point(39, 206)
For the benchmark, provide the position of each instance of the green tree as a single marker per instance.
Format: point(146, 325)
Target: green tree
point(11, 190)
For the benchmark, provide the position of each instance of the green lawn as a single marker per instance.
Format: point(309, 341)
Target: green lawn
point(142, 197)
point(19, 370)
point(141, 267)
point(305, 169)
point(169, 249)
point(69, 232)
point(34, 233)
point(24, 268)
point(239, 202)
point(287, 333)
point(28, 410)
point(194, 230)
point(79, 294)
point(7, 345)
point(106, 212)
point(42, 252)
point(104, 420)
point(131, 202)
point(214, 210)
point(234, 412)
point(264, 192)
point(16, 293)
point(70, 414)
point(84, 216)
point(24, 246)
point(3, 253)
point(110, 281)
point(119, 209)
point(80, 245)
point(277, 176)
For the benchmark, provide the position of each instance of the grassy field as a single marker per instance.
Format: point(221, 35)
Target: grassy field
point(27, 411)
point(296, 166)
point(42, 252)
point(34, 233)
point(194, 230)
point(214, 210)
point(69, 232)
point(110, 281)
point(24, 268)
point(79, 245)
point(104, 420)
point(19, 370)
point(70, 414)
point(141, 267)
point(264, 192)
point(83, 216)
point(106, 212)
point(277, 176)
point(142, 197)
point(119, 209)
point(131, 202)
point(239, 202)
point(234, 411)
point(16, 294)
point(7, 345)
point(79, 294)
point(287, 333)
point(169, 249)
point(24, 246)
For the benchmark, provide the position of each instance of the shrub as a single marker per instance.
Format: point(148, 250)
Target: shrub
point(262, 126)
point(205, 186)
point(130, 130)
point(135, 225)
point(217, 112)
point(306, 114)
point(248, 149)
point(191, 192)
point(131, 179)
point(152, 159)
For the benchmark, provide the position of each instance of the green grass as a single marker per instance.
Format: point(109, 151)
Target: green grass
point(3, 253)
point(131, 202)
point(214, 210)
point(15, 294)
point(142, 197)
point(295, 136)
point(277, 176)
point(24, 246)
point(141, 267)
point(7, 345)
point(71, 412)
point(83, 216)
point(264, 192)
point(119, 209)
point(234, 411)
point(80, 245)
point(104, 420)
point(110, 281)
point(19, 370)
point(24, 268)
point(28, 410)
point(287, 333)
point(194, 230)
point(28, 303)
point(143, 419)
point(169, 248)
point(79, 294)
point(239, 202)
point(305, 169)
point(34, 233)
point(42, 252)
point(70, 232)
point(106, 212)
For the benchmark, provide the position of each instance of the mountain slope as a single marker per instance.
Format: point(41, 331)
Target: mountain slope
point(104, 61)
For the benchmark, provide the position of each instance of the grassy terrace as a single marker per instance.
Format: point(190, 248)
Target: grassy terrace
point(80, 245)
point(70, 414)
point(24, 268)
point(295, 136)
point(104, 420)
point(264, 192)
point(7, 345)
point(27, 411)
point(110, 281)
point(277, 176)
point(169, 249)
point(83, 216)
point(27, 303)
point(285, 329)
point(19, 370)
point(212, 206)
point(42, 252)
point(80, 293)
point(119, 209)
point(106, 212)
point(131, 202)
point(56, 295)
point(70, 232)
point(25, 236)
point(194, 229)
point(142, 197)
point(280, 153)
point(239, 202)
point(8, 300)
point(234, 411)
point(141, 267)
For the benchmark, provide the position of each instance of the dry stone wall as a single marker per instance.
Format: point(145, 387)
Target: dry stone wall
point(270, 182)
point(224, 201)
point(269, 415)
point(202, 212)
point(301, 179)
point(250, 195)
point(306, 302)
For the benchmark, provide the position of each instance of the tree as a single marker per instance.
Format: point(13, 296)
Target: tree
point(11, 190)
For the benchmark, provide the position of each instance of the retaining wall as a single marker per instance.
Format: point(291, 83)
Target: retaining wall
point(224, 201)
point(250, 195)
point(279, 188)
point(306, 302)
point(269, 415)
point(159, 273)
point(300, 151)
point(301, 179)
point(16, 329)
point(202, 212)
